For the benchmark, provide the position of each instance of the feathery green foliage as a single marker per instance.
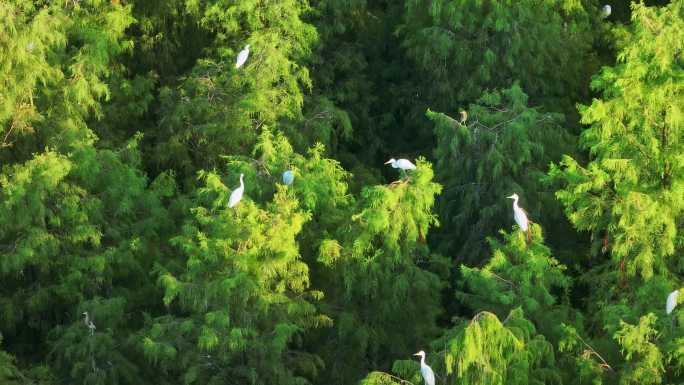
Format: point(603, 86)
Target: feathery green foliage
point(503, 147)
point(382, 284)
point(517, 275)
point(125, 126)
point(240, 295)
point(464, 47)
point(631, 190)
point(216, 108)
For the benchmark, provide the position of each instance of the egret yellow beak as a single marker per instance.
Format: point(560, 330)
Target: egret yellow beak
point(388, 162)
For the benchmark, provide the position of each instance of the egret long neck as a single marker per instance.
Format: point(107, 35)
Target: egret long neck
point(422, 360)
point(242, 185)
point(515, 203)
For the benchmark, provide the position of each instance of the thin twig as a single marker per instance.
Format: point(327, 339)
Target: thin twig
point(503, 279)
point(605, 364)
point(401, 380)
point(4, 140)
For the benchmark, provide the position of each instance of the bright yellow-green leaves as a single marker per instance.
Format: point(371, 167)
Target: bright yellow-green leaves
point(644, 359)
point(631, 190)
point(629, 196)
point(58, 57)
point(218, 109)
point(24, 65)
point(124, 127)
point(517, 275)
point(484, 350)
point(382, 284)
point(490, 351)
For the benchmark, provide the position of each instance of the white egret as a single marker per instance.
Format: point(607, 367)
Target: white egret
point(425, 370)
point(236, 195)
point(242, 57)
point(520, 217)
point(288, 177)
point(88, 323)
point(607, 10)
point(671, 301)
point(403, 164)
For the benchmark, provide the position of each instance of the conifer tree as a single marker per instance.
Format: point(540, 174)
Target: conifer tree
point(484, 351)
point(124, 126)
point(239, 299)
point(84, 228)
point(216, 108)
point(465, 47)
point(629, 195)
point(503, 147)
point(77, 223)
point(518, 275)
point(56, 62)
point(382, 284)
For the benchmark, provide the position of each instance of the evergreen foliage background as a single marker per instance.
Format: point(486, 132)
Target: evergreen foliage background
point(125, 126)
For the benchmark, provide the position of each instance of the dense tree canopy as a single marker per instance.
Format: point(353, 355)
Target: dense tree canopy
point(126, 125)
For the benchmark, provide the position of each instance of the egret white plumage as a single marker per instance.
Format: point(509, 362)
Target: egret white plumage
point(236, 195)
point(520, 217)
point(671, 301)
point(607, 10)
point(288, 177)
point(425, 370)
point(89, 323)
point(242, 57)
point(403, 164)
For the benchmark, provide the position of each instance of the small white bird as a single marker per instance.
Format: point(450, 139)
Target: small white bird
point(236, 195)
point(425, 370)
point(89, 323)
point(403, 164)
point(607, 10)
point(288, 177)
point(242, 57)
point(671, 301)
point(520, 217)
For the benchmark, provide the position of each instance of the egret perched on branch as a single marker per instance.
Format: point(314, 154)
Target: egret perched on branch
point(520, 217)
point(89, 323)
point(242, 57)
point(606, 11)
point(425, 370)
point(288, 177)
point(403, 164)
point(671, 301)
point(236, 195)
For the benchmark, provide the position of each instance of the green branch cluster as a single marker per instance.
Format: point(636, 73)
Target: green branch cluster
point(125, 126)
